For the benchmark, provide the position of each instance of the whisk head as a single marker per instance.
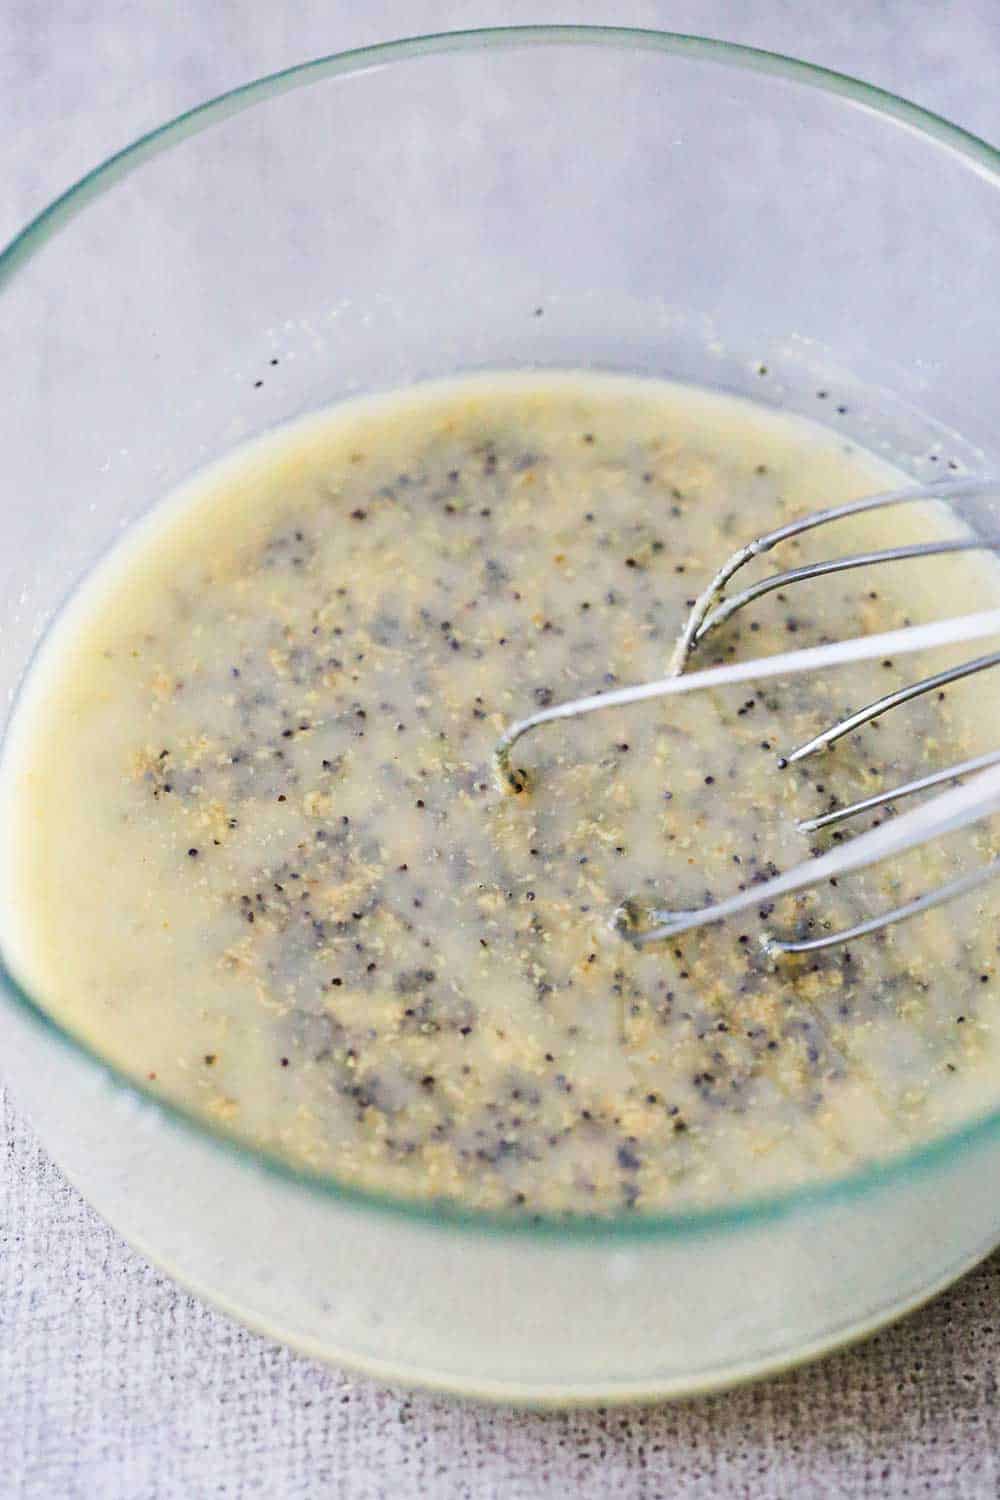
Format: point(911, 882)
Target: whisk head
point(642, 923)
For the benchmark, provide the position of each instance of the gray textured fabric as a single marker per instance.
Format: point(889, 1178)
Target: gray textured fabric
point(115, 1384)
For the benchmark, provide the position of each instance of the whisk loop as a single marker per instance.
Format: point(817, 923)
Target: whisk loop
point(950, 811)
point(708, 611)
point(955, 808)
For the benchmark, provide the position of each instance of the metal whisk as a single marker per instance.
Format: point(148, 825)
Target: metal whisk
point(955, 808)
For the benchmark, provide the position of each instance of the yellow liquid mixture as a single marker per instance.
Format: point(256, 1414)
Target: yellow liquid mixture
point(254, 853)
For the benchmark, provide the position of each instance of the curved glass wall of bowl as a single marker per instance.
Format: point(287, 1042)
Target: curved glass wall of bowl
point(592, 211)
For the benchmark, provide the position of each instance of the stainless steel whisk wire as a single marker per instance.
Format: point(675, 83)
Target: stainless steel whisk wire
point(954, 808)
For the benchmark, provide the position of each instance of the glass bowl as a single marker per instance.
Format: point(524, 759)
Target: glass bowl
point(543, 196)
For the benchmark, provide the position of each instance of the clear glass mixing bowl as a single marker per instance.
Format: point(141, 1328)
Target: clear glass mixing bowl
point(550, 196)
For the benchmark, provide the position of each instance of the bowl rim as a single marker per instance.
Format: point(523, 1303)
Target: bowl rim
point(747, 1212)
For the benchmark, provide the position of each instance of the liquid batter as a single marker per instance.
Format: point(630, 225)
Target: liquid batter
point(254, 853)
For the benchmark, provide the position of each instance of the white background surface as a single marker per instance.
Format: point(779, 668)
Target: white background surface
point(114, 1385)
